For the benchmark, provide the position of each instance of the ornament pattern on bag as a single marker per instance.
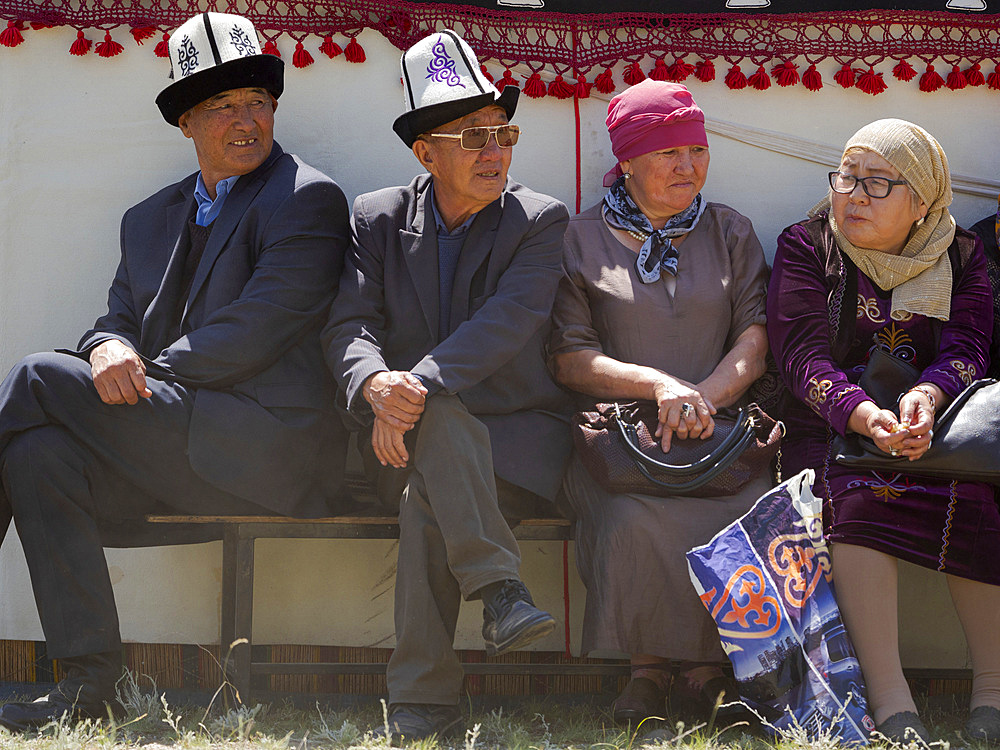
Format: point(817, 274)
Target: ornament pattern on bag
point(745, 603)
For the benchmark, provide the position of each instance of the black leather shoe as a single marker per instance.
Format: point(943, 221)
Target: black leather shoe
point(512, 621)
point(409, 722)
point(87, 692)
point(984, 725)
point(903, 728)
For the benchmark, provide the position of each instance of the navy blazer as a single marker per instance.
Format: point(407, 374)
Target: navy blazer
point(264, 425)
point(386, 318)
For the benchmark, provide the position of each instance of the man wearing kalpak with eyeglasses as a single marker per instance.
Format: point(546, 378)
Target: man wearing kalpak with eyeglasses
point(437, 340)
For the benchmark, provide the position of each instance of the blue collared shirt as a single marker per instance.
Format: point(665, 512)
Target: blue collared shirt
point(208, 210)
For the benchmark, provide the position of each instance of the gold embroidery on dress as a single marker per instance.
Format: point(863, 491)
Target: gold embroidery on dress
point(817, 392)
point(868, 308)
point(885, 489)
point(893, 339)
point(967, 372)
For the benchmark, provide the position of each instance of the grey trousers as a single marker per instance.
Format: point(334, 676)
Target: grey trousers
point(453, 540)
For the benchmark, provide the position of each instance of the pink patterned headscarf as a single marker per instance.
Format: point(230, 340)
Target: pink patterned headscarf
point(651, 116)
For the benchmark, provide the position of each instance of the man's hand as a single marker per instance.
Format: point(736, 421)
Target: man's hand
point(118, 372)
point(397, 398)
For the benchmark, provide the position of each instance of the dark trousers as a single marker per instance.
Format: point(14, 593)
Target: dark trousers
point(70, 464)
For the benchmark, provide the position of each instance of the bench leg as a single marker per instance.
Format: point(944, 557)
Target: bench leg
point(237, 609)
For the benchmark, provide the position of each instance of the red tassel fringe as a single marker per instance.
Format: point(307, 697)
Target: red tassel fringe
point(143, 33)
point(81, 46)
point(679, 71)
point(633, 74)
point(759, 80)
point(605, 82)
point(582, 87)
point(931, 80)
point(956, 79)
point(534, 87)
point(844, 76)
point(162, 48)
point(507, 80)
point(974, 75)
point(37, 25)
point(486, 73)
point(11, 36)
point(735, 78)
point(354, 52)
point(659, 71)
point(560, 89)
point(786, 74)
point(704, 71)
point(904, 71)
point(301, 57)
point(871, 82)
point(993, 82)
point(109, 47)
point(330, 48)
point(812, 79)
point(270, 48)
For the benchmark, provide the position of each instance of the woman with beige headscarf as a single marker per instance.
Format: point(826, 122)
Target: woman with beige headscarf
point(881, 265)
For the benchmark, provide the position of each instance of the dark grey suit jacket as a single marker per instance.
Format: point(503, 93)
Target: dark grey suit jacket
point(264, 424)
point(386, 318)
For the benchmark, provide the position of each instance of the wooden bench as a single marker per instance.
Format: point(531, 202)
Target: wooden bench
point(239, 533)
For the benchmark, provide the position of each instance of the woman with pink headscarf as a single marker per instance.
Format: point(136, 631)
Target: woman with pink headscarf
point(662, 300)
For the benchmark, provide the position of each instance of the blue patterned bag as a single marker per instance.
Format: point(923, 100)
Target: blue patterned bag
point(766, 581)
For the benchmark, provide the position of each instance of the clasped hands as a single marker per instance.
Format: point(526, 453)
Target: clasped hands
point(397, 398)
point(910, 435)
point(682, 411)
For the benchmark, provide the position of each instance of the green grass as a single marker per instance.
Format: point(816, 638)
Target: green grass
point(151, 723)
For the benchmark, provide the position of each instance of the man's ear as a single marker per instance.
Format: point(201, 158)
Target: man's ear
point(182, 123)
point(424, 153)
point(274, 103)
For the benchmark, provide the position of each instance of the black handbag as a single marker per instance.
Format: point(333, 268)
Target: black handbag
point(616, 443)
point(966, 443)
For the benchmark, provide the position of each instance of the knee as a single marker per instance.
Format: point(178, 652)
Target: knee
point(447, 419)
point(48, 370)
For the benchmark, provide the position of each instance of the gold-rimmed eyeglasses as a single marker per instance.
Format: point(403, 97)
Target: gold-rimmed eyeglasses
point(475, 139)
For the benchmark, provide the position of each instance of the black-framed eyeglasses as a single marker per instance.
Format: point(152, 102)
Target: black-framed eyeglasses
point(475, 139)
point(875, 187)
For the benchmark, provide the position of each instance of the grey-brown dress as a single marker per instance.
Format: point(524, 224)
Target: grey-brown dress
point(630, 548)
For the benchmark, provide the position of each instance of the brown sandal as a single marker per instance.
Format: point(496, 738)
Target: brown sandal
point(642, 698)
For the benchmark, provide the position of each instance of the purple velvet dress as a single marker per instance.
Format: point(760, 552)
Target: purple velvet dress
point(950, 526)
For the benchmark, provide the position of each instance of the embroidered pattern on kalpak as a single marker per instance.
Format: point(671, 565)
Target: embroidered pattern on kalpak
point(441, 68)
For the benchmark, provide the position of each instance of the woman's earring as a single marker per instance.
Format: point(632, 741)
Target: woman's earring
point(628, 176)
point(920, 221)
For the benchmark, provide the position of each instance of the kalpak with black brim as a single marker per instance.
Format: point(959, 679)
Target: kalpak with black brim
point(442, 81)
point(215, 52)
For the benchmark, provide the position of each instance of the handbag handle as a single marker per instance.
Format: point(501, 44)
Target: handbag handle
point(631, 438)
point(717, 461)
point(705, 477)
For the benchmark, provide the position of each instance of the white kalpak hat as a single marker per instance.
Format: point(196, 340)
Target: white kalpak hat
point(442, 81)
point(215, 52)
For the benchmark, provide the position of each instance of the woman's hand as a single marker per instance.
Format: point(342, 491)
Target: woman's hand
point(682, 410)
point(916, 409)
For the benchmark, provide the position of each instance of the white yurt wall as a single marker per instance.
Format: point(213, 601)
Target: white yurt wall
point(81, 141)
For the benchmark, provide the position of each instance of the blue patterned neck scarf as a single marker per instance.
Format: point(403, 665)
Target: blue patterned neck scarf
point(657, 252)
